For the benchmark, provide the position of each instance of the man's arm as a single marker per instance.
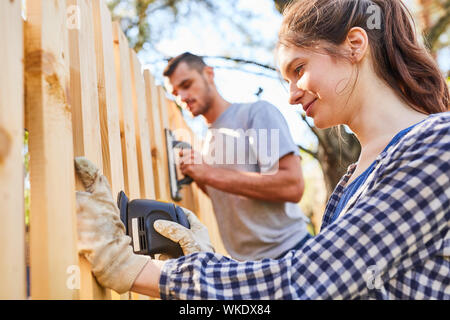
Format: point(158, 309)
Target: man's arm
point(286, 184)
point(202, 187)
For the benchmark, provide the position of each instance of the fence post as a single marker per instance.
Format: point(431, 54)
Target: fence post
point(107, 95)
point(128, 135)
point(85, 114)
point(52, 221)
point(127, 118)
point(108, 103)
point(158, 144)
point(142, 130)
point(12, 226)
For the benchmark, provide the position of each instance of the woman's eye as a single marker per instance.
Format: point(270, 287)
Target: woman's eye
point(299, 69)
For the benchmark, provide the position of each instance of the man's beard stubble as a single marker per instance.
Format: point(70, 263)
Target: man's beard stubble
point(207, 100)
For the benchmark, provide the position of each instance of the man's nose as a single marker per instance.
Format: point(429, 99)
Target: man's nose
point(183, 96)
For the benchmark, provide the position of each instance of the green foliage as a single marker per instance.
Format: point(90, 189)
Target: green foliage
point(146, 22)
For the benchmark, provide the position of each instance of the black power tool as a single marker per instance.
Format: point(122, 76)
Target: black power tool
point(138, 217)
point(175, 183)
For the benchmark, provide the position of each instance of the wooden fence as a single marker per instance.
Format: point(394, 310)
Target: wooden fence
point(68, 76)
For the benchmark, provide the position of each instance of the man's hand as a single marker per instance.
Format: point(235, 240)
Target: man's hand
point(101, 234)
point(191, 240)
point(192, 165)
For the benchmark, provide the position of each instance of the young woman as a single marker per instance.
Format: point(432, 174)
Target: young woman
point(385, 232)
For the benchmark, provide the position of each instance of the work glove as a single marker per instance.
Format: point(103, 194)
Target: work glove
point(102, 237)
point(195, 239)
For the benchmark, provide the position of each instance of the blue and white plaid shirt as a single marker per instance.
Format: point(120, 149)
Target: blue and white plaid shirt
point(391, 241)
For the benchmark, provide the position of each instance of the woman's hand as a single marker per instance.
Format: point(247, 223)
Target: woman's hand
point(101, 234)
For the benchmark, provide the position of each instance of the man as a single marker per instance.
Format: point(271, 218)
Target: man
point(254, 195)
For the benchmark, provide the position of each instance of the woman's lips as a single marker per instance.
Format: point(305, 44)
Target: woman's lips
point(308, 107)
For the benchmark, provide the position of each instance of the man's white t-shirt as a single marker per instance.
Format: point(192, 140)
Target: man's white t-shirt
point(253, 137)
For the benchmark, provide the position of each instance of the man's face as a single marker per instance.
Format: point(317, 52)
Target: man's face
point(191, 88)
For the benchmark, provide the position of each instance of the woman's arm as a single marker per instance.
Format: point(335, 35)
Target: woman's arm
point(147, 282)
point(376, 247)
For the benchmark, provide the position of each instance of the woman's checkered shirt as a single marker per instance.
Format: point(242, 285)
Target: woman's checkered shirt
point(392, 241)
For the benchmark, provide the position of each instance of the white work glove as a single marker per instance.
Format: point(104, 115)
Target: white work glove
point(195, 239)
point(101, 234)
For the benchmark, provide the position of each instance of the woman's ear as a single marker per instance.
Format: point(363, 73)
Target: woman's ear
point(357, 42)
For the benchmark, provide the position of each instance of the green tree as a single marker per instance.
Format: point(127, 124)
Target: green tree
point(434, 17)
point(136, 16)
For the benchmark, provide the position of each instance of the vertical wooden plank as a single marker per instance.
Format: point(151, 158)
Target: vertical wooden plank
point(157, 138)
point(85, 115)
point(108, 103)
point(142, 130)
point(107, 97)
point(83, 86)
point(52, 221)
point(144, 157)
point(127, 129)
point(127, 118)
point(12, 226)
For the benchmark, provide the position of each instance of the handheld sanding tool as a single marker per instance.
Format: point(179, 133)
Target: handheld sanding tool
point(175, 183)
point(138, 217)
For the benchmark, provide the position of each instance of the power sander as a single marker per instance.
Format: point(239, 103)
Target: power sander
point(138, 217)
point(175, 183)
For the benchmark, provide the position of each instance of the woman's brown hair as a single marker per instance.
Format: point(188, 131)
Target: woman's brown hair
point(399, 59)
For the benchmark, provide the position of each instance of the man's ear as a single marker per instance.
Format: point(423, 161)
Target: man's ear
point(209, 73)
point(357, 43)
point(168, 85)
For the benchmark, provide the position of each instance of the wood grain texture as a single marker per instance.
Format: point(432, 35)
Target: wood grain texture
point(143, 145)
point(108, 103)
point(53, 221)
point(157, 138)
point(107, 96)
point(126, 117)
point(85, 116)
point(12, 226)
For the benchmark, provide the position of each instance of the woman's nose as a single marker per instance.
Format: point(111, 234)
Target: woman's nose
point(295, 94)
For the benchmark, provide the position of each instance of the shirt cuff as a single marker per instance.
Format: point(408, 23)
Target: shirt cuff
point(169, 269)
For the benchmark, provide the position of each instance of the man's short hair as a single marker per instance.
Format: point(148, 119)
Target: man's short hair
point(193, 61)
